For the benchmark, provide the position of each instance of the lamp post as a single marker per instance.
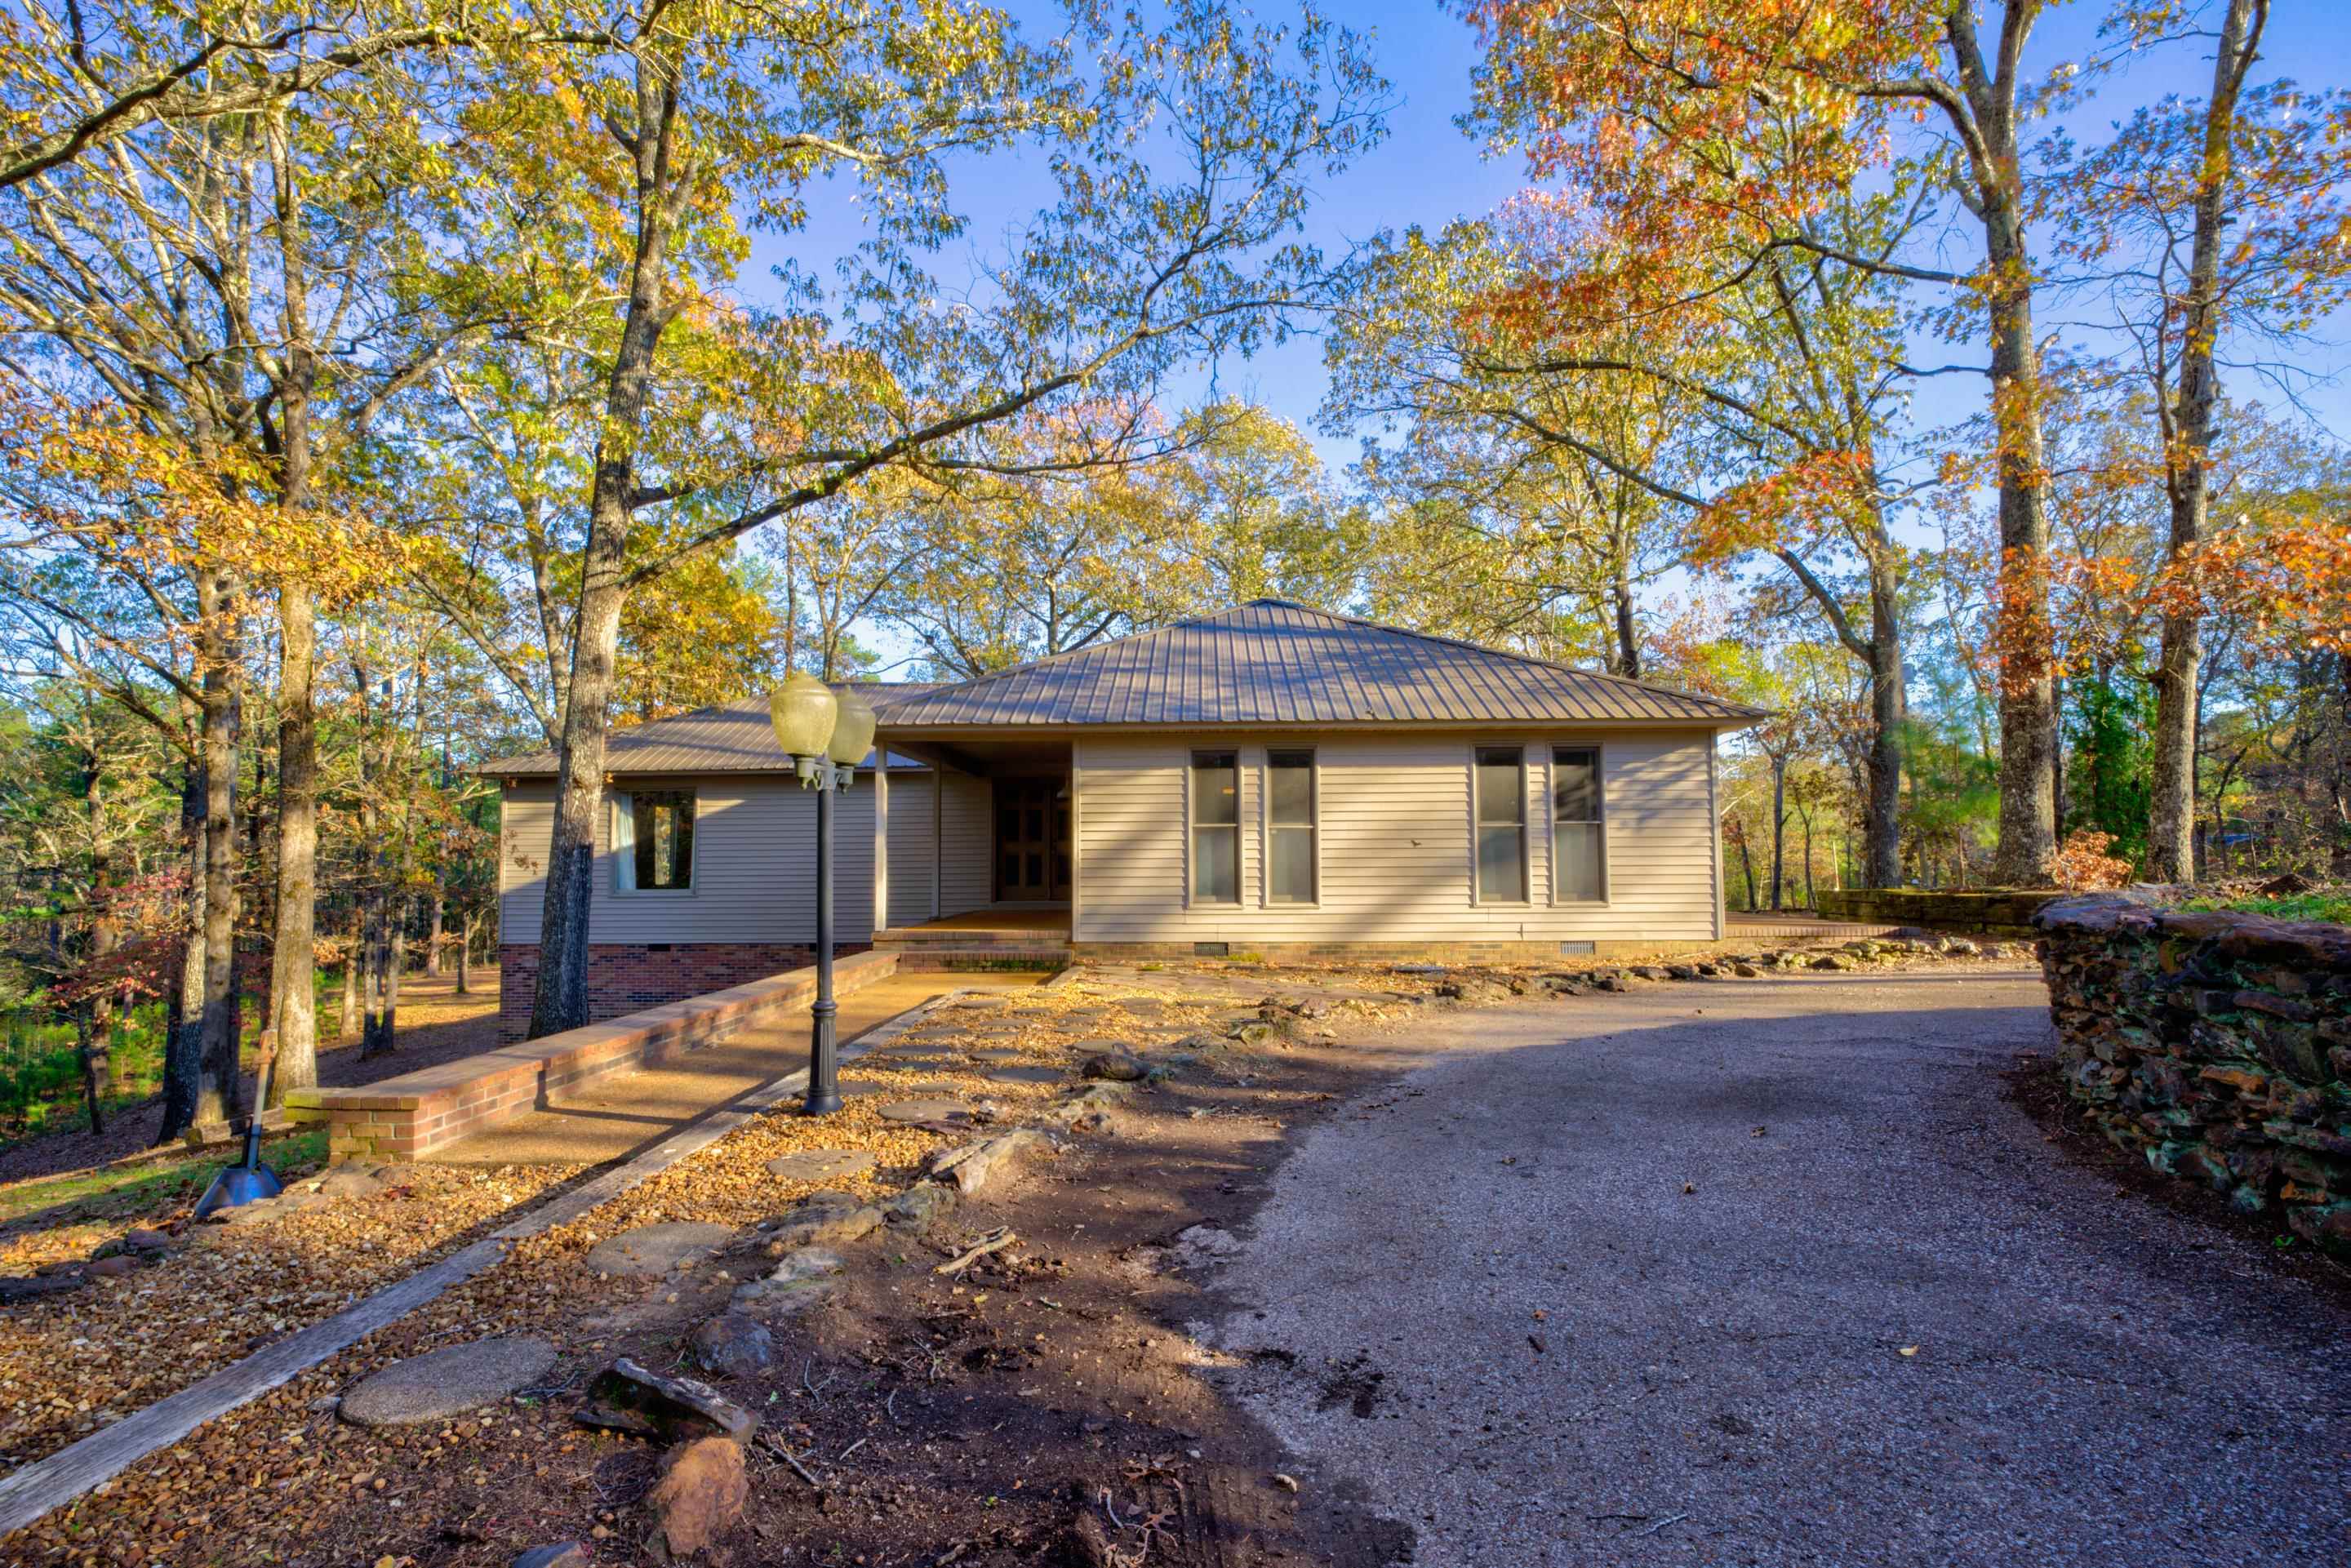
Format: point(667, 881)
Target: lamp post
point(826, 736)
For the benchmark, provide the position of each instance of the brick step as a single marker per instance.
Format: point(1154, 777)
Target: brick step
point(923, 958)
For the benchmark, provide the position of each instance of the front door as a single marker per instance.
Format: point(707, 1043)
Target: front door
point(1032, 840)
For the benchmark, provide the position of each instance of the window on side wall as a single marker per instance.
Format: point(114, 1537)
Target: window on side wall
point(1501, 796)
point(1290, 820)
point(1579, 839)
point(652, 841)
point(1215, 827)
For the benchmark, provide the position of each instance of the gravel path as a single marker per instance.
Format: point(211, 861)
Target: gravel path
point(1891, 1329)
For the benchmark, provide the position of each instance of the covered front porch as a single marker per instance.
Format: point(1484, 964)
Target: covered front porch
point(977, 852)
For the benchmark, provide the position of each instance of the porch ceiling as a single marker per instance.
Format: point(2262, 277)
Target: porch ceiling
point(985, 756)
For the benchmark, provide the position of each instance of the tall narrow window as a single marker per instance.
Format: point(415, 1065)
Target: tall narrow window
point(652, 841)
point(1501, 825)
point(1215, 827)
point(1579, 842)
point(1290, 812)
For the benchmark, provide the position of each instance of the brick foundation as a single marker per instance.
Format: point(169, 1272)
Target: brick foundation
point(624, 978)
point(1389, 952)
point(407, 1117)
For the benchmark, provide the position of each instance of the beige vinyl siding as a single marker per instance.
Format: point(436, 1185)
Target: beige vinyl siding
point(1395, 842)
point(525, 827)
point(966, 843)
point(754, 866)
point(910, 848)
point(963, 841)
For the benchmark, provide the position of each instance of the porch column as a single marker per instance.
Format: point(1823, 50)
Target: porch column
point(881, 843)
point(939, 796)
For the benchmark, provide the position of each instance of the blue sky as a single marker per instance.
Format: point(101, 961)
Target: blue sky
point(1428, 172)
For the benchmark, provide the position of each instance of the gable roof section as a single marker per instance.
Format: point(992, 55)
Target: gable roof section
point(1271, 661)
point(731, 737)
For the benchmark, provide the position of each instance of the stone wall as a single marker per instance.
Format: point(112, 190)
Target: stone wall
point(2218, 1045)
point(2004, 913)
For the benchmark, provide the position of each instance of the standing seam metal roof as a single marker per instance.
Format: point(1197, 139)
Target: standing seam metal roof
point(1271, 661)
point(1267, 661)
point(731, 737)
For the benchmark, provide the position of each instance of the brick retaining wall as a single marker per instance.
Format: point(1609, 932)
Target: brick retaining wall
point(2005, 913)
point(2216, 1044)
point(628, 977)
point(407, 1117)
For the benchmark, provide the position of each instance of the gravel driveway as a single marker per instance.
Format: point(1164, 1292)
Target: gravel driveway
point(1888, 1326)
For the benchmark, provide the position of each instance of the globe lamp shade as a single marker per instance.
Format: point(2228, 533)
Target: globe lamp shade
point(804, 712)
point(852, 731)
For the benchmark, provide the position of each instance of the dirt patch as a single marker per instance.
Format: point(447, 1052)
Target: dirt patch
point(1044, 1402)
point(2036, 1085)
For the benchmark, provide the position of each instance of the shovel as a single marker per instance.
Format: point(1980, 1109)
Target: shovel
point(249, 1181)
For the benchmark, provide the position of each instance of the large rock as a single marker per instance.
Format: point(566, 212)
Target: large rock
point(656, 1249)
point(921, 1204)
point(732, 1345)
point(701, 1494)
point(627, 1397)
point(973, 1166)
point(559, 1554)
point(1117, 1067)
point(449, 1382)
point(1025, 1073)
point(353, 1180)
point(926, 1110)
point(823, 1164)
point(821, 1220)
point(800, 1280)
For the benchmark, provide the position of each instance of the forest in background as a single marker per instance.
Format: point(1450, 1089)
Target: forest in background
point(390, 389)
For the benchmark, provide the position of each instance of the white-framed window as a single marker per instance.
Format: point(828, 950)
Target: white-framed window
point(652, 841)
point(1291, 862)
point(1500, 791)
point(1579, 830)
point(1215, 827)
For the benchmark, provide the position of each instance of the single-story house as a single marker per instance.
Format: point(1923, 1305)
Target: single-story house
point(1270, 780)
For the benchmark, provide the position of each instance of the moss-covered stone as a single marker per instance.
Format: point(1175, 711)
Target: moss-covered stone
point(2217, 1044)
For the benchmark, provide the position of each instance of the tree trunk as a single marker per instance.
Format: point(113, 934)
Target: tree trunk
point(293, 1008)
point(1747, 864)
point(347, 1024)
point(560, 1001)
point(433, 931)
point(90, 1040)
point(1888, 713)
point(94, 1017)
point(2025, 641)
point(1812, 900)
point(1779, 829)
point(1628, 632)
point(465, 957)
point(2171, 825)
point(376, 1024)
point(184, 1014)
point(396, 959)
point(2028, 691)
point(219, 1088)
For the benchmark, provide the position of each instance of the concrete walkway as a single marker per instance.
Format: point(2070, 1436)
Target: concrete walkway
point(1771, 1273)
point(610, 1118)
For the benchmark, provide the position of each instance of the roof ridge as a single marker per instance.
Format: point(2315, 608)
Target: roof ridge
point(1093, 647)
point(1269, 601)
point(1638, 684)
